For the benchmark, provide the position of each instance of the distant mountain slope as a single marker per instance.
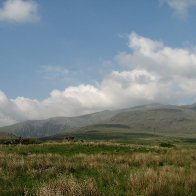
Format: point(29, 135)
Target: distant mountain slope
point(171, 119)
point(153, 117)
point(42, 128)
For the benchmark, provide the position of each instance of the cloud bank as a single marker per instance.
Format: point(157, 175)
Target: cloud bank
point(153, 73)
point(19, 11)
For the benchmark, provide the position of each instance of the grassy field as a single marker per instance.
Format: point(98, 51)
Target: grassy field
point(126, 135)
point(98, 168)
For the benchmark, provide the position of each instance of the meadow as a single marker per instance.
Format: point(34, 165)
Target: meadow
point(97, 168)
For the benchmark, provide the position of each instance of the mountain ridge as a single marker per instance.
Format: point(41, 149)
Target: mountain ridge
point(162, 118)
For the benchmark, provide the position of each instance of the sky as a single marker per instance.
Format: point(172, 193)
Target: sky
point(69, 58)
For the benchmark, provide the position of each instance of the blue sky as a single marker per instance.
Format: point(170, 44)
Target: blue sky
point(49, 47)
point(80, 36)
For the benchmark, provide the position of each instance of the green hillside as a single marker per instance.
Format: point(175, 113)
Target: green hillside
point(153, 119)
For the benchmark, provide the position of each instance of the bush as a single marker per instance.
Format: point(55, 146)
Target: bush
point(25, 141)
point(167, 145)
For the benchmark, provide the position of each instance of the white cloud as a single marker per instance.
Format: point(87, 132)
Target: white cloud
point(154, 73)
point(175, 68)
point(155, 56)
point(19, 11)
point(180, 6)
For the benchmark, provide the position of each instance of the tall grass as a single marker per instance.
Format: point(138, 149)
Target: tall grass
point(128, 170)
point(168, 180)
point(69, 186)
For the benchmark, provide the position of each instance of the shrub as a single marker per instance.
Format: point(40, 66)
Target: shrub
point(167, 145)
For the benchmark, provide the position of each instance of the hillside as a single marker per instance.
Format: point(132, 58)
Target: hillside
point(166, 119)
point(52, 126)
point(155, 118)
point(7, 136)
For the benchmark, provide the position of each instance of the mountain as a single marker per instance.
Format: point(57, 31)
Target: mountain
point(51, 126)
point(156, 118)
point(164, 119)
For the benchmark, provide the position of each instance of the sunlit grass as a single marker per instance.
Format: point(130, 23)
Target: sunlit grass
point(102, 168)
